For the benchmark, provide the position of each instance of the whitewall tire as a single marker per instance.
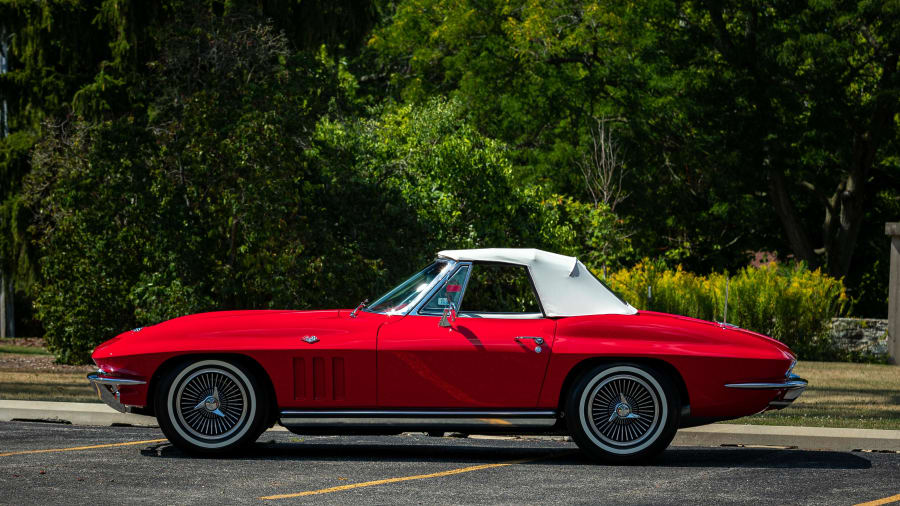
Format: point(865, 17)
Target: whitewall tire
point(622, 412)
point(210, 406)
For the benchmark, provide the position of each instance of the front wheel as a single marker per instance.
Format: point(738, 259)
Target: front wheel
point(211, 406)
point(622, 412)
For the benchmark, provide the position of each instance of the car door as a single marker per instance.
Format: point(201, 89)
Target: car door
point(493, 355)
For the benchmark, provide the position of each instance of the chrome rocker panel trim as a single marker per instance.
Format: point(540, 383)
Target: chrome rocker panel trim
point(461, 420)
point(108, 389)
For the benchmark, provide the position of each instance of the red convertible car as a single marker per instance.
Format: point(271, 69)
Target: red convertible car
point(481, 340)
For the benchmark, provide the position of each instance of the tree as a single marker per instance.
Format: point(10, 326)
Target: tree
point(88, 59)
point(735, 117)
point(246, 184)
point(818, 89)
point(539, 74)
point(204, 201)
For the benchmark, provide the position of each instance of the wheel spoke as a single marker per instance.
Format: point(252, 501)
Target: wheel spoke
point(211, 403)
point(624, 410)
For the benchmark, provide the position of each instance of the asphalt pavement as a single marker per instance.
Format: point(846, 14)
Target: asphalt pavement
point(804, 438)
point(51, 463)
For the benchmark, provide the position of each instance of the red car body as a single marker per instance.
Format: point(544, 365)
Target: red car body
point(424, 365)
point(335, 362)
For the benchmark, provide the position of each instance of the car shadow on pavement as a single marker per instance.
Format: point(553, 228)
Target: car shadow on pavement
point(766, 458)
point(563, 455)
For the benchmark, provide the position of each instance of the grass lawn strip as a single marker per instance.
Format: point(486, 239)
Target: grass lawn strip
point(29, 373)
point(23, 350)
point(46, 386)
point(860, 396)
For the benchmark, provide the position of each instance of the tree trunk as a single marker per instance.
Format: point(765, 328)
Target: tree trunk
point(846, 225)
point(848, 204)
point(4, 63)
point(787, 213)
point(7, 310)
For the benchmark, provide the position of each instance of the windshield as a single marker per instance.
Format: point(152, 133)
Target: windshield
point(407, 293)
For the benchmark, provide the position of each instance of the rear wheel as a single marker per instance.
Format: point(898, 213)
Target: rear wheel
point(622, 412)
point(211, 406)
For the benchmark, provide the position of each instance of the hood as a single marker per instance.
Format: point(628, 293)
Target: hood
point(218, 326)
point(255, 322)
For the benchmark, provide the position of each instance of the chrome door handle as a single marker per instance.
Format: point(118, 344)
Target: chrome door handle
point(537, 340)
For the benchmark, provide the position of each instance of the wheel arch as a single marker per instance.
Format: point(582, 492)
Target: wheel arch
point(655, 363)
point(245, 360)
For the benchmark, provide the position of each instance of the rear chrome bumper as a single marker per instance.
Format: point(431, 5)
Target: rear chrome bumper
point(790, 389)
point(107, 389)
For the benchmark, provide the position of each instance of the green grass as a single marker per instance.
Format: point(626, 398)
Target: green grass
point(68, 386)
point(861, 396)
point(23, 350)
point(29, 373)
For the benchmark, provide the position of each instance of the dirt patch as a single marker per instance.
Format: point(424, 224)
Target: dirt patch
point(31, 342)
point(13, 361)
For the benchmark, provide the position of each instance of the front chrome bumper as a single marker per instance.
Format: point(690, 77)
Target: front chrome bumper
point(108, 389)
point(790, 388)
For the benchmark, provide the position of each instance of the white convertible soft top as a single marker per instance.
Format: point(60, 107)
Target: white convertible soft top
point(564, 284)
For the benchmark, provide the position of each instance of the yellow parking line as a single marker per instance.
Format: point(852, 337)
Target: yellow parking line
point(76, 448)
point(877, 502)
point(408, 478)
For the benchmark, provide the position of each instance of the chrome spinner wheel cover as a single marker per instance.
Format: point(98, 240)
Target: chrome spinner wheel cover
point(211, 403)
point(624, 410)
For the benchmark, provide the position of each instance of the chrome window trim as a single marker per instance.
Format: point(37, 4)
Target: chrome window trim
point(461, 314)
point(528, 272)
point(434, 289)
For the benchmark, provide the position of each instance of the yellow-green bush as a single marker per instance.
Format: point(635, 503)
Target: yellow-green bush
point(788, 302)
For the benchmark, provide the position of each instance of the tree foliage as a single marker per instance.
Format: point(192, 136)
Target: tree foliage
point(216, 199)
point(179, 157)
point(725, 110)
point(88, 60)
point(205, 200)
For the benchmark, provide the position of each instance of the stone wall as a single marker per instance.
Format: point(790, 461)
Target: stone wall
point(861, 335)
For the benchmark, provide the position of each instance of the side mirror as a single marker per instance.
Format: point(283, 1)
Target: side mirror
point(448, 317)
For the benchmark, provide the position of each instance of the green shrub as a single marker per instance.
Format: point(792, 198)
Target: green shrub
point(787, 302)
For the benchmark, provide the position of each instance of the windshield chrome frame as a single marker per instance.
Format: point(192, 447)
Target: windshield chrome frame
point(425, 295)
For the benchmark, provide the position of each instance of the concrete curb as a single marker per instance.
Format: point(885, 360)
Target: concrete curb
point(77, 413)
point(810, 438)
